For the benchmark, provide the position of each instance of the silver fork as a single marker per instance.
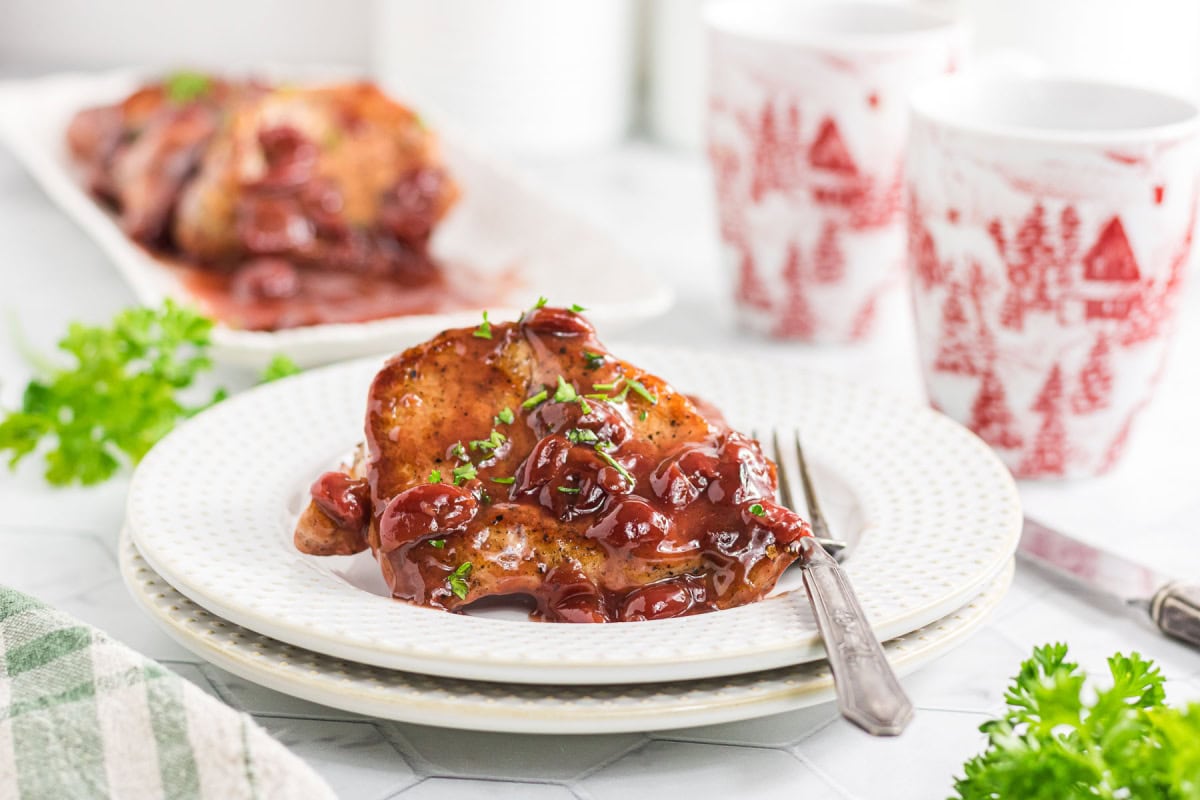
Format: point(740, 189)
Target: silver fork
point(869, 694)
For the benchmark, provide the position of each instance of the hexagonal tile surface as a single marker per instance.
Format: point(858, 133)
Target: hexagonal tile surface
point(467, 789)
point(441, 751)
point(353, 757)
point(684, 769)
point(917, 765)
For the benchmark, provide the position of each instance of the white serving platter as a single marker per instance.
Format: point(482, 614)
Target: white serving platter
point(500, 226)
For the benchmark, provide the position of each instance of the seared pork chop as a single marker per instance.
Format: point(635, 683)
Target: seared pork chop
point(524, 458)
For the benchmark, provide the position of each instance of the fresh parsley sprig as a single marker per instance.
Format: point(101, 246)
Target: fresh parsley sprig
point(1059, 741)
point(120, 395)
point(280, 366)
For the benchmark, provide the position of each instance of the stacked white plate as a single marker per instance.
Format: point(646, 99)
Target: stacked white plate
point(932, 516)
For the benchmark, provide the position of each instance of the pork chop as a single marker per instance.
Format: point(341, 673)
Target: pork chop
point(524, 458)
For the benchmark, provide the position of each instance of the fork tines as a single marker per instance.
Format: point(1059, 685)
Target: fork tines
point(793, 472)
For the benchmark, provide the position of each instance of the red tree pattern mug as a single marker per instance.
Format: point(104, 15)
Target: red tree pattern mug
point(806, 130)
point(1050, 224)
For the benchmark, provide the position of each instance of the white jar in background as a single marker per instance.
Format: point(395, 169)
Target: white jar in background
point(677, 72)
point(533, 77)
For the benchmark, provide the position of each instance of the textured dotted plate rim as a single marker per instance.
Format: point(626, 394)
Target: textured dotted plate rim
point(518, 708)
point(940, 519)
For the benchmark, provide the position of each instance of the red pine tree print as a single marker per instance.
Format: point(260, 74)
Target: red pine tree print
point(991, 419)
point(1068, 231)
point(956, 349)
point(775, 150)
point(1048, 455)
point(1036, 259)
point(795, 320)
point(1038, 268)
point(750, 289)
point(1093, 390)
point(829, 263)
point(922, 252)
point(829, 151)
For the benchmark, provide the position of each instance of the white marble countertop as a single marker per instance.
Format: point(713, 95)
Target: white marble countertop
point(59, 544)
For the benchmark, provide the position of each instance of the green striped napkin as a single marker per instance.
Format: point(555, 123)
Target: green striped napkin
point(82, 716)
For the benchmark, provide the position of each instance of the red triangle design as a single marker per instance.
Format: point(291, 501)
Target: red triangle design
point(829, 152)
point(1111, 258)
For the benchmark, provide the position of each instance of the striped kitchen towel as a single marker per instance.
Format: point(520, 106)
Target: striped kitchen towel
point(82, 716)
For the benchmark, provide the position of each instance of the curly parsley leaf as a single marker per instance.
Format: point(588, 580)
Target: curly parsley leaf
point(118, 397)
point(1059, 740)
point(279, 367)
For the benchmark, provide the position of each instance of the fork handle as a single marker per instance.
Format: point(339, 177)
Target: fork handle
point(869, 694)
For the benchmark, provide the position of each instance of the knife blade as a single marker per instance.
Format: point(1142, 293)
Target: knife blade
point(1174, 607)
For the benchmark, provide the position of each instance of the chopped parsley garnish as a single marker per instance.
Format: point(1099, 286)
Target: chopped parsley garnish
point(582, 436)
point(186, 86)
point(642, 392)
point(465, 472)
point(601, 450)
point(438, 543)
point(530, 402)
point(594, 360)
point(620, 397)
point(458, 580)
point(565, 393)
point(642, 416)
point(460, 452)
point(596, 396)
point(583, 406)
point(484, 331)
point(435, 476)
point(568, 490)
point(505, 416)
point(606, 387)
point(541, 302)
point(505, 481)
point(576, 308)
point(758, 510)
point(489, 444)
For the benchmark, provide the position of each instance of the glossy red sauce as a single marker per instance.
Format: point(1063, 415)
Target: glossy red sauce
point(673, 514)
point(267, 296)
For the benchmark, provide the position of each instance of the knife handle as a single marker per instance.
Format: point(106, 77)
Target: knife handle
point(1175, 609)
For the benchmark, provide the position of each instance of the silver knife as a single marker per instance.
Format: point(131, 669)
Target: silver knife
point(1174, 607)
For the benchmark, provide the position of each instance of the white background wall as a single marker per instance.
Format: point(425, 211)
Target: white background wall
point(1150, 42)
point(40, 35)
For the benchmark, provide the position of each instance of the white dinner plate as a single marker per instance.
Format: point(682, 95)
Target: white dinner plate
point(933, 516)
point(500, 225)
point(516, 708)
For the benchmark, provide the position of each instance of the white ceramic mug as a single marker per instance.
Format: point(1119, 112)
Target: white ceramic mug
point(808, 116)
point(1050, 227)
